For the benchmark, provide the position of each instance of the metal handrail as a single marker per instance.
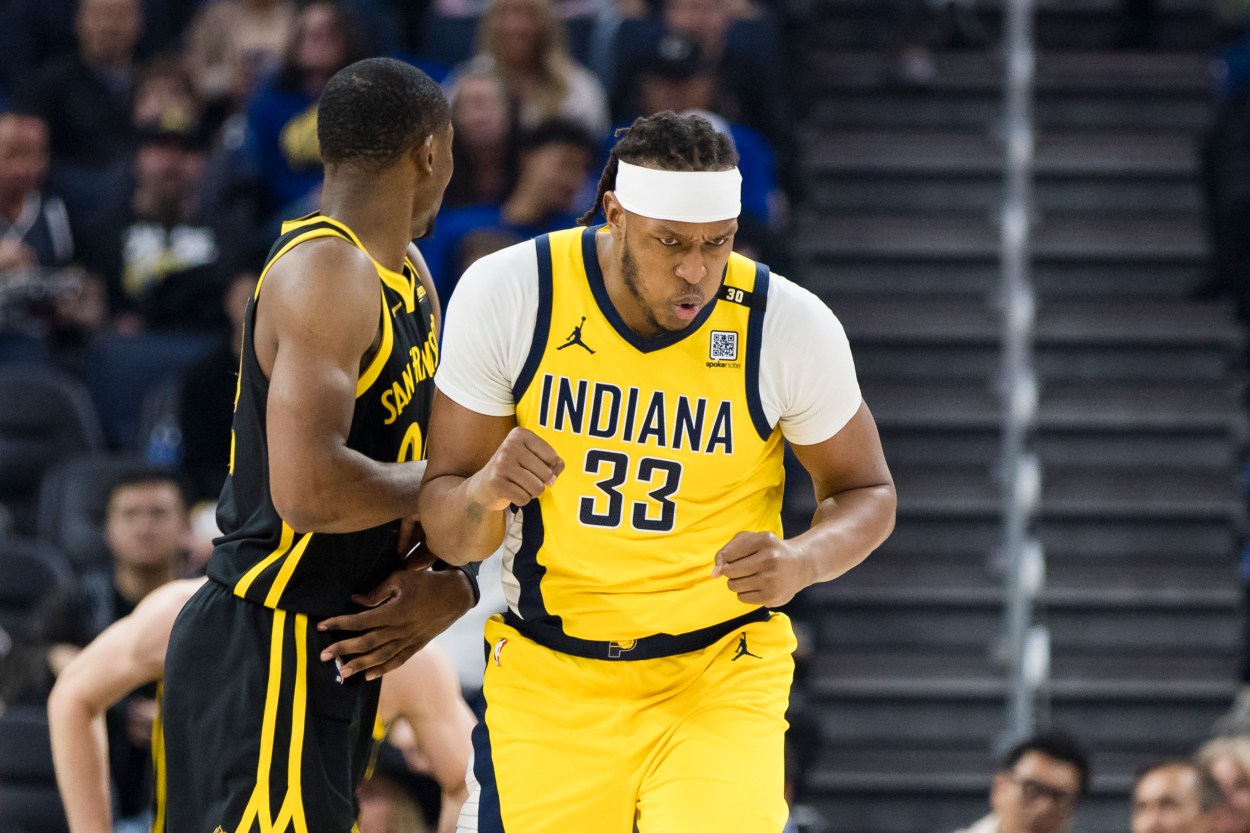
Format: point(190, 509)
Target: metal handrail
point(1025, 647)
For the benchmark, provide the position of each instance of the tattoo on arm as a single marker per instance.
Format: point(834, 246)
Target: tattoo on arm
point(475, 512)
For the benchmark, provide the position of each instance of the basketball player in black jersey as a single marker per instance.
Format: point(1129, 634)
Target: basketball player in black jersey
point(268, 706)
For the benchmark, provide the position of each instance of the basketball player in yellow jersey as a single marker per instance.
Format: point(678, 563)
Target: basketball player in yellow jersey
point(268, 710)
point(612, 402)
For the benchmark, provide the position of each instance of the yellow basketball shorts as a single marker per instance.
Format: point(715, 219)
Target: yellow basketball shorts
point(678, 744)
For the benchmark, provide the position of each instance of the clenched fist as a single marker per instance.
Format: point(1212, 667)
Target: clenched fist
point(520, 470)
point(762, 569)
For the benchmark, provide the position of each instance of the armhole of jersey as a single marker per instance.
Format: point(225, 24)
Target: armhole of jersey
point(292, 239)
point(284, 243)
point(542, 324)
point(755, 338)
point(384, 351)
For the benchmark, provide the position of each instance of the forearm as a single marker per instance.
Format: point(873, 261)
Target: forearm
point(846, 527)
point(80, 755)
point(453, 800)
point(458, 526)
point(348, 492)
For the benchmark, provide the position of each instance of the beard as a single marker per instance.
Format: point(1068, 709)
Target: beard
point(629, 275)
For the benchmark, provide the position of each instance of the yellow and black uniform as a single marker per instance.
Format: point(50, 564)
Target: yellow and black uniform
point(620, 661)
point(260, 735)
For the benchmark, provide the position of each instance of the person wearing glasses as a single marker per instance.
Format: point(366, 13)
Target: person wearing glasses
point(1038, 787)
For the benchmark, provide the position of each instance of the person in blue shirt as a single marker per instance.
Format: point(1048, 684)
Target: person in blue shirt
point(555, 162)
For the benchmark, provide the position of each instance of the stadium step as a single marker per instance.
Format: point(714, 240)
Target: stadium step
point(1141, 432)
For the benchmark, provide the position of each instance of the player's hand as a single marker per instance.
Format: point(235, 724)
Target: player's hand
point(762, 568)
point(408, 609)
point(520, 470)
point(411, 543)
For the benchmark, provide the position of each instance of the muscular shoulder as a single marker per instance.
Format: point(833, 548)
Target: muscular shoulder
point(325, 279)
point(322, 266)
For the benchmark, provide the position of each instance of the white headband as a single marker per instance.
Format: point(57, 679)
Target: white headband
point(683, 196)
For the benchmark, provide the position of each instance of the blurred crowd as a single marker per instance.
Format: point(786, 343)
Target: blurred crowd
point(149, 152)
point(150, 149)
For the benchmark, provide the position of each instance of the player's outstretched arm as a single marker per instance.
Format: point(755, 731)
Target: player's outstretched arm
point(127, 654)
point(854, 515)
point(477, 467)
point(317, 321)
point(426, 693)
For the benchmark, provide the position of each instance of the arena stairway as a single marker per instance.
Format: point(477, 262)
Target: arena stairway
point(1140, 427)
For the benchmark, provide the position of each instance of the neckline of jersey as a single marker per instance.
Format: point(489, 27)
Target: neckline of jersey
point(403, 283)
point(599, 289)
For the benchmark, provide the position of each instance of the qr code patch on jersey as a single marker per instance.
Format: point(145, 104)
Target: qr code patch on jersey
point(724, 346)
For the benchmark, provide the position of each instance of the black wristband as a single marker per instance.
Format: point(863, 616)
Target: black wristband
point(470, 570)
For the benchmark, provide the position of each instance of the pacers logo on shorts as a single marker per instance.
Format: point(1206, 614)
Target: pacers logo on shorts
point(615, 649)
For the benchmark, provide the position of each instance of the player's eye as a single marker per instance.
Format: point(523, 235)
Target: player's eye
point(668, 241)
point(719, 241)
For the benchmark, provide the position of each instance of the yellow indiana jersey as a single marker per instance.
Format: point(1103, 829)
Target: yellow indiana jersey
point(262, 558)
point(667, 452)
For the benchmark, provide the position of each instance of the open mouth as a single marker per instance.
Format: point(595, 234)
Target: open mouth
point(688, 307)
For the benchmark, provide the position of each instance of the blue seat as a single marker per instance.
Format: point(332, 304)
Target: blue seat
point(33, 571)
point(46, 416)
point(125, 368)
point(29, 801)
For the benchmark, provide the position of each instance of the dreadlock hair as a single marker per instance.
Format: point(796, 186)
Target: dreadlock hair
point(376, 110)
point(666, 142)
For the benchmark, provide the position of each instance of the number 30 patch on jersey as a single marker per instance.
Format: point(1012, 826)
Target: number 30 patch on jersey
point(724, 346)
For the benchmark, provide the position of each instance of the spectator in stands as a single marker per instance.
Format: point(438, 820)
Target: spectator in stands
point(232, 44)
point(525, 43)
point(156, 248)
point(1228, 761)
point(36, 247)
point(485, 143)
point(164, 89)
point(36, 32)
point(282, 117)
point(1038, 787)
point(146, 530)
point(1178, 797)
point(85, 98)
point(34, 227)
point(555, 160)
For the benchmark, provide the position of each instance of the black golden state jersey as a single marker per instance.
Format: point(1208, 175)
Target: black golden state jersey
point(259, 556)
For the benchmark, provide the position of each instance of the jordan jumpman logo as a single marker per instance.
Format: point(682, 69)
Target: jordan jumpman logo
point(742, 650)
point(575, 337)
